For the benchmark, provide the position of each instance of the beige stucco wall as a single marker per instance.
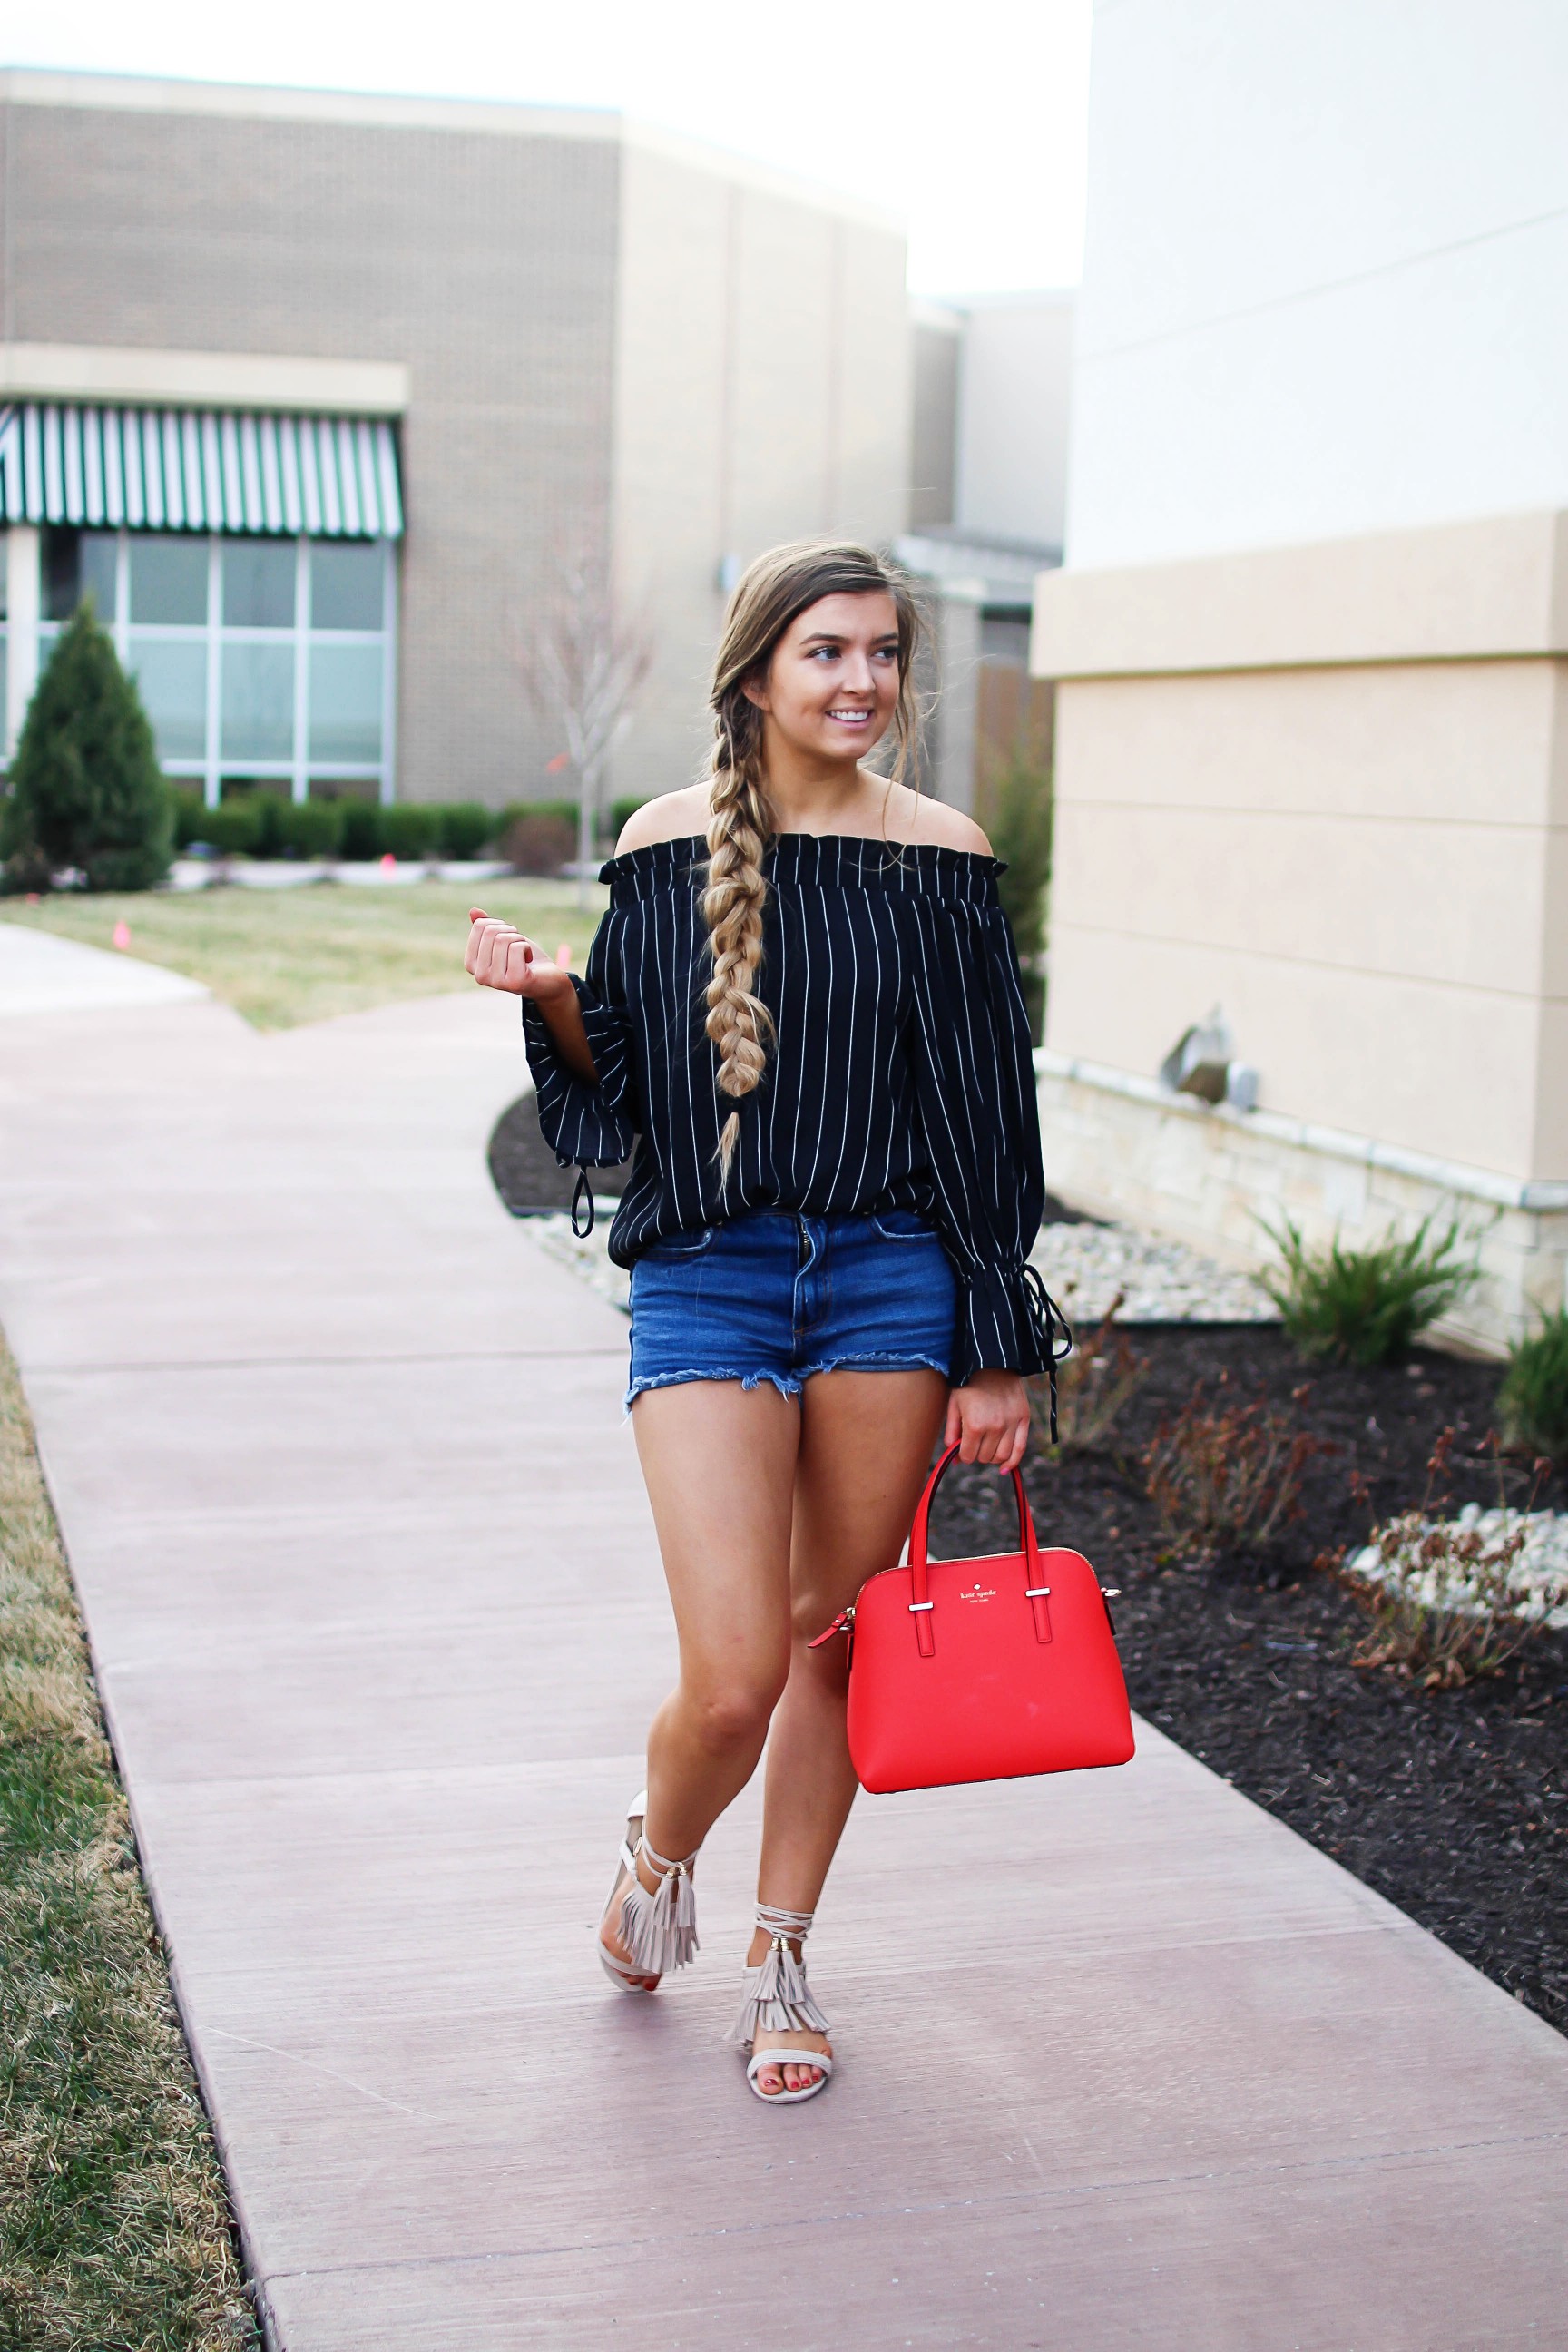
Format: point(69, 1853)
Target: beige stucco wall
point(1328, 789)
point(761, 395)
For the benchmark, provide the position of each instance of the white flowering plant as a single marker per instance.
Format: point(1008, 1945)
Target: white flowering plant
point(1453, 1599)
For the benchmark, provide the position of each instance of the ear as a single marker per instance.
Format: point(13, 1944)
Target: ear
point(756, 691)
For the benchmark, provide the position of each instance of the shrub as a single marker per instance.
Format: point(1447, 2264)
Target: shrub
point(190, 817)
point(309, 828)
point(539, 843)
point(1094, 1384)
point(622, 811)
point(1366, 1306)
point(1533, 1399)
point(86, 791)
point(360, 831)
point(1451, 1599)
point(234, 828)
point(1230, 1475)
point(1018, 803)
point(408, 830)
point(272, 808)
point(465, 828)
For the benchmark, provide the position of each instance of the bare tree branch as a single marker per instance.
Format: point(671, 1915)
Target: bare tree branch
point(584, 661)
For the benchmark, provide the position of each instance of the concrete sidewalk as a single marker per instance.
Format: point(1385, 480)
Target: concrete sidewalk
point(40, 974)
point(372, 1589)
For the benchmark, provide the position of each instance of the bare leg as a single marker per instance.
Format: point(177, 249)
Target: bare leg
point(865, 1447)
point(720, 1466)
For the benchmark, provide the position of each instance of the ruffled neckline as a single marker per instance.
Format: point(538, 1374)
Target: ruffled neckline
point(852, 857)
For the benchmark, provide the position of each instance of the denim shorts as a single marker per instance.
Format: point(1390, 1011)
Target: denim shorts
point(776, 1296)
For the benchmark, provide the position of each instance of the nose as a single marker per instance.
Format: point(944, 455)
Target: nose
point(858, 676)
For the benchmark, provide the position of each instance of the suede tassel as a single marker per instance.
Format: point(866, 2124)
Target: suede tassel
point(659, 1930)
point(778, 1999)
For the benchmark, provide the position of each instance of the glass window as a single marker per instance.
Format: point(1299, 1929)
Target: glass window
point(168, 580)
point(345, 702)
point(172, 679)
point(78, 563)
point(258, 583)
point(257, 703)
point(346, 587)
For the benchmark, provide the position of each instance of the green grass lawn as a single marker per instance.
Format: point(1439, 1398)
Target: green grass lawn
point(115, 2230)
point(282, 957)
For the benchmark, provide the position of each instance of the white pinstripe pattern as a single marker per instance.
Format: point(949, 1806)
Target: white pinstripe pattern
point(900, 1076)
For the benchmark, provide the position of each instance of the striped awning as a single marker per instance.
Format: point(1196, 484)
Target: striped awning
point(198, 469)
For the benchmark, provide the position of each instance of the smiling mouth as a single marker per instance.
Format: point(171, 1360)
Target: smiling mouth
point(848, 716)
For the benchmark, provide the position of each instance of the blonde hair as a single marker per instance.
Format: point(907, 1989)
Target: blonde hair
point(773, 592)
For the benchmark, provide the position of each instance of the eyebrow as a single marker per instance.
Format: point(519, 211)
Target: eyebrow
point(840, 637)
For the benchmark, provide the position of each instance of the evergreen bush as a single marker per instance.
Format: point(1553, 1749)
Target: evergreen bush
point(234, 828)
point(1533, 1399)
point(360, 830)
point(464, 828)
point(1018, 805)
point(86, 790)
point(189, 816)
point(408, 830)
point(1366, 1306)
point(309, 828)
point(622, 813)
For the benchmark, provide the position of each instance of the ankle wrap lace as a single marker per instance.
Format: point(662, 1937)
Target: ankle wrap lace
point(659, 1930)
point(778, 1999)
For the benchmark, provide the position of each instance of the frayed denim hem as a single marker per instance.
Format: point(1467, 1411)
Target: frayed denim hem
point(787, 1383)
point(872, 1363)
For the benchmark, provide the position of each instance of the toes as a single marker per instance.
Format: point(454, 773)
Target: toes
point(770, 2082)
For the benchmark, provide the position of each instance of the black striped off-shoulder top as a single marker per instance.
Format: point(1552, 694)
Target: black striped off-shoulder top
point(901, 1075)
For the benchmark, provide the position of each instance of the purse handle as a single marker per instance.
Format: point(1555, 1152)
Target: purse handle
point(922, 1604)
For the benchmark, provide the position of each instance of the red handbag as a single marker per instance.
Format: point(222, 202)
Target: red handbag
point(982, 1669)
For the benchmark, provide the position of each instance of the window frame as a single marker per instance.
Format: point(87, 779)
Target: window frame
point(297, 772)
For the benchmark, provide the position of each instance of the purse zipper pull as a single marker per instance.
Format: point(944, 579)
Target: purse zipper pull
point(843, 1623)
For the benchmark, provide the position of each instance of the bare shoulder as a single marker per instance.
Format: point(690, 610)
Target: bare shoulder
point(673, 816)
point(916, 817)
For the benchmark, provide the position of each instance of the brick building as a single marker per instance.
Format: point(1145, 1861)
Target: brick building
point(315, 391)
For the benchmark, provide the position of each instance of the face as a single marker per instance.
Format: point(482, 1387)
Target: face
point(833, 682)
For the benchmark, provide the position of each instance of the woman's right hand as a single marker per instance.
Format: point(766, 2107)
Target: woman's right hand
point(499, 957)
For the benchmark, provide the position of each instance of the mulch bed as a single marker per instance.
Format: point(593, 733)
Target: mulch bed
point(1454, 1804)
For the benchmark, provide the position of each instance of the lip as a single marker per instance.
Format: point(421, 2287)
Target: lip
point(848, 718)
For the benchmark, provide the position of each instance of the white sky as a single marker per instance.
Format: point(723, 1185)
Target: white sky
point(968, 116)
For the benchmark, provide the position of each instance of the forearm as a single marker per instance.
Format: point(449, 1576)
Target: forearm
point(563, 1017)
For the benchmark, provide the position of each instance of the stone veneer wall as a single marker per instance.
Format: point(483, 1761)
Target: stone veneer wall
point(1121, 1146)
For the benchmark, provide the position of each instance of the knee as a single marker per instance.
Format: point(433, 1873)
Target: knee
point(734, 1712)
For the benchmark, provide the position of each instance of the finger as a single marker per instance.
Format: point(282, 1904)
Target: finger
point(478, 914)
point(519, 971)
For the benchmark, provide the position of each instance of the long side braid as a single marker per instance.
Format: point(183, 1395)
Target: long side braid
point(738, 829)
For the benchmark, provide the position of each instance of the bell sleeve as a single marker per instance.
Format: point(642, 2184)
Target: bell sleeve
point(974, 1085)
point(596, 1126)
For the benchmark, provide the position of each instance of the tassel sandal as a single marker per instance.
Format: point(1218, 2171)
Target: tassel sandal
point(659, 1930)
point(778, 2000)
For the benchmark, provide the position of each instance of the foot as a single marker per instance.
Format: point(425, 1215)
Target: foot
point(610, 1924)
point(770, 2079)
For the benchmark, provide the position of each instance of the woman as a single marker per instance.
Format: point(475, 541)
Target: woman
point(802, 1008)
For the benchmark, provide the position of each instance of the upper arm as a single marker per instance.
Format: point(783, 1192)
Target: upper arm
point(672, 816)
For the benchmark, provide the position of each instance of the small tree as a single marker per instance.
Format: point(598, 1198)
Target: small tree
point(85, 790)
point(583, 664)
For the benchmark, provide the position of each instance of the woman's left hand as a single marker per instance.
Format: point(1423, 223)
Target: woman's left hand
point(988, 1420)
